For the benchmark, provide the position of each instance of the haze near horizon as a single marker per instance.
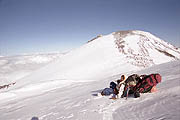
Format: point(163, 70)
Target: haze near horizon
point(31, 26)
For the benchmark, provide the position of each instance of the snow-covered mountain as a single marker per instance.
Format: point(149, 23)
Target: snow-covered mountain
point(105, 56)
point(63, 87)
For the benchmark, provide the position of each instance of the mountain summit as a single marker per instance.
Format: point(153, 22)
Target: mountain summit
point(144, 49)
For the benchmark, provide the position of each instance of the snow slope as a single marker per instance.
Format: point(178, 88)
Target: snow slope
point(67, 87)
point(80, 101)
point(105, 56)
point(157, 106)
point(144, 49)
point(93, 61)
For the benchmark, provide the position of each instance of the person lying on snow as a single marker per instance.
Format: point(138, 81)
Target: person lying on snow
point(136, 84)
point(115, 88)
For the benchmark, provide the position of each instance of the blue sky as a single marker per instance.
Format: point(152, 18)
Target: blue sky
point(28, 26)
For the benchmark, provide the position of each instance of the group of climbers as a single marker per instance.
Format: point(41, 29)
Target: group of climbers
point(134, 85)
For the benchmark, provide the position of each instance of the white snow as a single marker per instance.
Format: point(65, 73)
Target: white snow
point(68, 87)
point(158, 58)
point(81, 100)
point(132, 42)
point(93, 61)
point(143, 49)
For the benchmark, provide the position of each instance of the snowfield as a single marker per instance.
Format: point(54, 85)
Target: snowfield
point(80, 101)
point(68, 86)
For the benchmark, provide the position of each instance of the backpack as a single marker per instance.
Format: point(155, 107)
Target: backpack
point(147, 83)
point(132, 80)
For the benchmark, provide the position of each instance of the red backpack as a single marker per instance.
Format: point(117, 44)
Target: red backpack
point(147, 83)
